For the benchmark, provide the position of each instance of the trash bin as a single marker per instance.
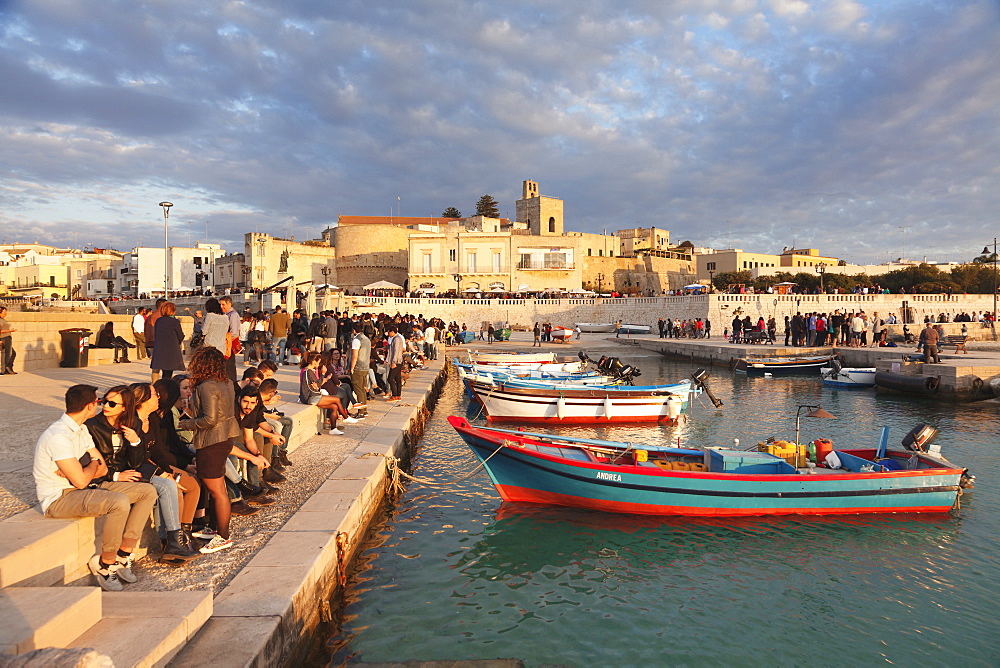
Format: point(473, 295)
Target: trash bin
point(74, 347)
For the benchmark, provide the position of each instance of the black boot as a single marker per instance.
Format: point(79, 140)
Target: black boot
point(241, 508)
point(283, 456)
point(249, 490)
point(276, 462)
point(177, 547)
point(272, 477)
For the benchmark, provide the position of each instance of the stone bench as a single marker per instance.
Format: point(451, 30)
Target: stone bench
point(958, 341)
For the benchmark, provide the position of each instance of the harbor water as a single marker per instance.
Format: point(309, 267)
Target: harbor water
point(453, 573)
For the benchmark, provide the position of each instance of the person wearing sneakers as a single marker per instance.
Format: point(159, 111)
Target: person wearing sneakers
point(394, 360)
point(361, 354)
point(214, 427)
point(310, 393)
point(66, 465)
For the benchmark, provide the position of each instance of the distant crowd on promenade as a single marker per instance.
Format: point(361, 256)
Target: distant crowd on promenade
point(202, 443)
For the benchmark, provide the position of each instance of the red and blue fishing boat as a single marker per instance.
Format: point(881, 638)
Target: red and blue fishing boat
point(617, 477)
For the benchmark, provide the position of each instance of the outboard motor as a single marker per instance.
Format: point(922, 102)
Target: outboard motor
point(628, 373)
point(699, 377)
point(584, 357)
point(920, 438)
point(602, 363)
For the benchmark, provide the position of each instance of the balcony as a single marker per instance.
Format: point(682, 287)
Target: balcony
point(554, 264)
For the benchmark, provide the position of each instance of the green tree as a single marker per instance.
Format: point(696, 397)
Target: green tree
point(487, 206)
point(724, 279)
point(451, 212)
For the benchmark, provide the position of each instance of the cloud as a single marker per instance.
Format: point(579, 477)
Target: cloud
point(831, 124)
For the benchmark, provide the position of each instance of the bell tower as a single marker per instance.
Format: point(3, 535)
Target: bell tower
point(544, 215)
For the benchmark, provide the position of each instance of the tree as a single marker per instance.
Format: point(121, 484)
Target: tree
point(488, 207)
point(451, 212)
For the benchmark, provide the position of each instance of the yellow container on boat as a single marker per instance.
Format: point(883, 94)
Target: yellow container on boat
point(641, 455)
point(792, 453)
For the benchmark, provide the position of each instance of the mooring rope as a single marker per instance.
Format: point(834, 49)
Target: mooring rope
point(397, 485)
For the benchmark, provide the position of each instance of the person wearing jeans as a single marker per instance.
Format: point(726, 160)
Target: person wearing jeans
point(394, 360)
point(66, 465)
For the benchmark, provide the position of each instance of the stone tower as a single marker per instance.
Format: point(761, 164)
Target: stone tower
point(544, 215)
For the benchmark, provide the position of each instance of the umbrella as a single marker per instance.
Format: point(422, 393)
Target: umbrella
point(383, 285)
point(425, 289)
point(498, 290)
point(523, 287)
point(325, 286)
point(786, 283)
point(694, 286)
point(471, 290)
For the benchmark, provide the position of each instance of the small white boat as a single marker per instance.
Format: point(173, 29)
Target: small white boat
point(596, 326)
point(511, 359)
point(634, 329)
point(838, 376)
point(561, 334)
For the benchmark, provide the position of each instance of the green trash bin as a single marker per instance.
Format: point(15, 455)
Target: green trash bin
point(75, 350)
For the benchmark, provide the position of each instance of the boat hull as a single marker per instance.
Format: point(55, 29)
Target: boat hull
point(776, 365)
point(596, 327)
point(634, 329)
point(515, 401)
point(524, 476)
point(849, 377)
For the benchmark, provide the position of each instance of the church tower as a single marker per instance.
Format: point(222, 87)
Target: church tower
point(544, 215)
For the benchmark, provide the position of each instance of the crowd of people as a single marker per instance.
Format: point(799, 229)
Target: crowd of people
point(198, 445)
point(686, 328)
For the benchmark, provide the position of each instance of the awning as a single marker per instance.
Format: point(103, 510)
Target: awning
point(383, 285)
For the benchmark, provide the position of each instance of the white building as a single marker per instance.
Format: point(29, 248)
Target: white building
point(191, 269)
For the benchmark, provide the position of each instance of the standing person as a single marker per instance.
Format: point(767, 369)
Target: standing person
point(278, 327)
point(216, 325)
point(167, 356)
point(66, 466)
point(149, 330)
point(490, 333)
point(929, 338)
point(232, 335)
point(7, 353)
point(215, 427)
point(618, 328)
point(660, 325)
point(361, 355)
point(431, 336)
point(394, 360)
point(328, 331)
point(139, 333)
point(537, 331)
point(878, 330)
point(737, 329)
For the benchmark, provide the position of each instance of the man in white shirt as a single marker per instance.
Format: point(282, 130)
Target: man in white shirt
point(139, 333)
point(66, 467)
point(430, 342)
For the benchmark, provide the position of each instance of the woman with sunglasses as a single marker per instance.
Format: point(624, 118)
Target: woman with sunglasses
point(178, 546)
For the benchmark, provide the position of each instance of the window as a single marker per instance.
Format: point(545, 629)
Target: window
point(600, 252)
point(710, 266)
point(451, 255)
point(496, 262)
point(427, 263)
point(552, 224)
point(470, 262)
point(590, 251)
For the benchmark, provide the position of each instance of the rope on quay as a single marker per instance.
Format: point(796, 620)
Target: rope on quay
point(396, 484)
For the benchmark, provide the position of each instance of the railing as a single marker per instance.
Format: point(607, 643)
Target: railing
point(545, 265)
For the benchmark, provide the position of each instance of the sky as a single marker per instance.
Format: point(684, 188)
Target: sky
point(869, 129)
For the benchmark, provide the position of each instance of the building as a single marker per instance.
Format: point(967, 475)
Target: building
point(792, 260)
point(141, 270)
point(275, 260)
point(35, 270)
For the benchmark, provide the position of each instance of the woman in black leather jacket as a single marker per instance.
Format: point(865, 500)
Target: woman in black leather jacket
point(114, 436)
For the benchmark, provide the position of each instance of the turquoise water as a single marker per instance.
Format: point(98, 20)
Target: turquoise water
point(454, 573)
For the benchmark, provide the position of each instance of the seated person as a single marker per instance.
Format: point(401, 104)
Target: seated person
point(269, 399)
point(67, 468)
point(259, 437)
point(107, 338)
point(267, 368)
point(251, 376)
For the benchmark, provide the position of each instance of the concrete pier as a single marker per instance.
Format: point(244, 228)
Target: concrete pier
point(968, 376)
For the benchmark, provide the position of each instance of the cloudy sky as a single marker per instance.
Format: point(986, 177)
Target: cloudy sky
point(867, 128)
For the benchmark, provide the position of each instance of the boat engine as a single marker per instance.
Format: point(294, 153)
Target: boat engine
point(612, 366)
point(920, 438)
point(699, 377)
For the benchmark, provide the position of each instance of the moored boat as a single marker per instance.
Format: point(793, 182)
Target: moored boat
point(628, 478)
point(524, 401)
point(838, 376)
point(634, 329)
point(593, 327)
point(798, 364)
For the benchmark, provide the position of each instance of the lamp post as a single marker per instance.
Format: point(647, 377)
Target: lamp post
point(166, 250)
point(993, 318)
point(711, 280)
point(600, 279)
point(458, 284)
point(814, 412)
point(247, 270)
point(821, 269)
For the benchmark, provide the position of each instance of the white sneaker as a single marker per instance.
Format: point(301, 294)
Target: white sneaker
point(336, 432)
point(216, 544)
point(125, 573)
point(106, 576)
point(350, 420)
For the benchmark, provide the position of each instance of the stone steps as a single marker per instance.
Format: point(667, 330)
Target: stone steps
point(132, 628)
point(36, 617)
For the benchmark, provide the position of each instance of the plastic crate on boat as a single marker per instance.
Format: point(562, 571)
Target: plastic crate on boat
point(742, 461)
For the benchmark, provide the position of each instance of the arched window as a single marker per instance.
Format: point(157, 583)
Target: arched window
point(552, 224)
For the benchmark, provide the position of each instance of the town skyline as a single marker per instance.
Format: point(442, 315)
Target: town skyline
point(865, 129)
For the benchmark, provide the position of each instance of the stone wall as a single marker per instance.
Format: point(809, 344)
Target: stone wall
point(370, 253)
point(39, 345)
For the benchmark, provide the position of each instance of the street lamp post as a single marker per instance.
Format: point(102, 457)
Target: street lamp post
point(247, 270)
point(458, 284)
point(711, 280)
point(821, 269)
point(993, 318)
point(600, 279)
point(166, 250)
